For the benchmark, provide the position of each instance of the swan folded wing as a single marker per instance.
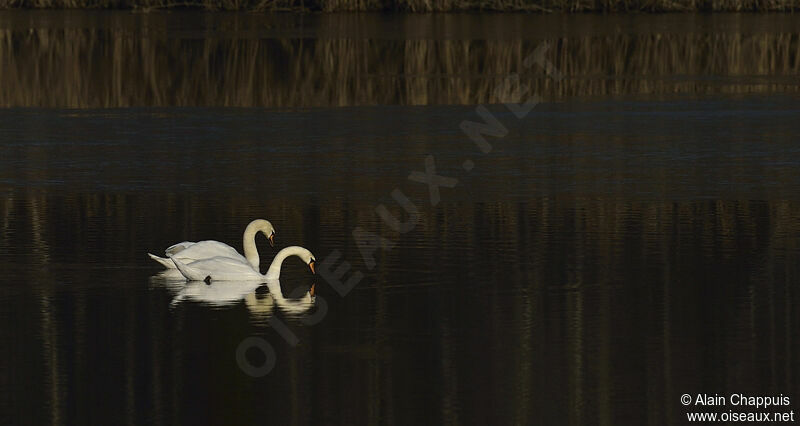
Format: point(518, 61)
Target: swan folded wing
point(219, 268)
point(205, 250)
point(176, 248)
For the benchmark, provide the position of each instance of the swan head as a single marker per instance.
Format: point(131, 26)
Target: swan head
point(303, 253)
point(306, 255)
point(265, 227)
point(309, 259)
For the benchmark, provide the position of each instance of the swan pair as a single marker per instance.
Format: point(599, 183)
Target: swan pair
point(215, 261)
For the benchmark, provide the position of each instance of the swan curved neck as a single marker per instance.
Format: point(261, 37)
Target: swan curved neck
point(274, 271)
point(249, 245)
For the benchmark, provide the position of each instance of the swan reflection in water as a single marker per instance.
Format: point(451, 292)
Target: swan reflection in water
point(219, 294)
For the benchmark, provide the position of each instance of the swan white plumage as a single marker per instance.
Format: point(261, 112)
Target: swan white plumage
point(221, 268)
point(188, 251)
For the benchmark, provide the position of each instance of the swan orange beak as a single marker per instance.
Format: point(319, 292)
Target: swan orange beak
point(312, 291)
point(272, 240)
point(311, 265)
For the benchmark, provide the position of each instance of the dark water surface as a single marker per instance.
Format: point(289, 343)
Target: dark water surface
point(618, 248)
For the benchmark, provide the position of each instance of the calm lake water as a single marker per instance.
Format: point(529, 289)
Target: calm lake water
point(632, 239)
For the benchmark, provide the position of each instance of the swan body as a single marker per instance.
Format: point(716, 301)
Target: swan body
point(222, 268)
point(188, 251)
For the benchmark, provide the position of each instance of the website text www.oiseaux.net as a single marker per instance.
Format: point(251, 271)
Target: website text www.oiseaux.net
point(752, 409)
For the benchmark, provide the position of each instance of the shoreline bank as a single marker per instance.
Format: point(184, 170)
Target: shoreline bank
point(422, 6)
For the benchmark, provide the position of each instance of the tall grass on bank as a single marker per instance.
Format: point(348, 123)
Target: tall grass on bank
point(423, 5)
point(92, 68)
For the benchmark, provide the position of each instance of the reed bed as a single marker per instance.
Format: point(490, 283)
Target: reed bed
point(422, 6)
point(94, 68)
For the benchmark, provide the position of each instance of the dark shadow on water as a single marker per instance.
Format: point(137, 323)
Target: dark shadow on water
point(556, 309)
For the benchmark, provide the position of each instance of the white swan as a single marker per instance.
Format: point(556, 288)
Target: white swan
point(188, 251)
point(221, 268)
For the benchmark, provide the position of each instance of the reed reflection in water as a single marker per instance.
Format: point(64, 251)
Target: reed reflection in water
point(575, 278)
point(547, 309)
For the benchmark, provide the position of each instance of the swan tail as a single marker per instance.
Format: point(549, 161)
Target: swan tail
point(190, 273)
point(167, 263)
